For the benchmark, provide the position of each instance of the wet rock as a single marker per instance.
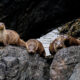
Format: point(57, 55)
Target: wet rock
point(17, 64)
point(65, 64)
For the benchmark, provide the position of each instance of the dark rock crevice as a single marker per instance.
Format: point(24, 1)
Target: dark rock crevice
point(32, 19)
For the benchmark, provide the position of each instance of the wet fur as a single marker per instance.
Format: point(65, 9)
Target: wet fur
point(10, 37)
point(39, 47)
point(63, 42)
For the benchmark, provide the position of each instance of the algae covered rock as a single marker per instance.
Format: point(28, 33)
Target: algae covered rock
point(71, 28)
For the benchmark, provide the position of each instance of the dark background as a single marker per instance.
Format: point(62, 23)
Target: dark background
point(32, 19)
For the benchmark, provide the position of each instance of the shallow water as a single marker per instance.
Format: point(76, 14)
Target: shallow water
point(48, 38)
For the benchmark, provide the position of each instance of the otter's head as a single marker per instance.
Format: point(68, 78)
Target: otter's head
point(2, 26)
point(31, 47)
point(59, 44)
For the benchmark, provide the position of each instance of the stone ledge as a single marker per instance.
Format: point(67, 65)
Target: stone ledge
point(17, 64)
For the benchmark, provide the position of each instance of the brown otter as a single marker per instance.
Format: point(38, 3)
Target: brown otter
point(9, 36)
point(34, 46)
point(62, 42)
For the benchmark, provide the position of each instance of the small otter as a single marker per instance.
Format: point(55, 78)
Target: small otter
point(9, 36)
point(63, 41)
point(34, 46)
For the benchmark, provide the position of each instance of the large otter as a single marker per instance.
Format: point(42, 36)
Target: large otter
point(62, 42)
point(9, 36)
point(34, 46)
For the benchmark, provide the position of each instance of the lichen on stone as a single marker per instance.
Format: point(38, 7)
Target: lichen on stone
point(71, 28)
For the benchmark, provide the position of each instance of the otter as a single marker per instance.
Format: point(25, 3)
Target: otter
point(34, 46)
point(10, 36)
point(63, 41)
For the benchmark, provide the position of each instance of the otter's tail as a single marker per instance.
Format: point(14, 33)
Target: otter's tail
point(22, 43)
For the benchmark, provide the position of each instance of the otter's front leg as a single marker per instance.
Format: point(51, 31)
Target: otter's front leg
point(5, 41)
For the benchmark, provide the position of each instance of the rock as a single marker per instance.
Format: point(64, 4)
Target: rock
point(76, 73)
point(17, 64)
point(12, 65)
point(2, 71)
point(71, 28)
point(27, 16)
point(66, 64)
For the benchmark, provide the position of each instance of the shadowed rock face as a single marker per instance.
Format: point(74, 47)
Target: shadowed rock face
point(17, 64)
point(34, 18)
point(66, 64)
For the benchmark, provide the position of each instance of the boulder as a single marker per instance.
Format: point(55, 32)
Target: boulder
point(76, 73)
point(17, 64)
point(66, 64)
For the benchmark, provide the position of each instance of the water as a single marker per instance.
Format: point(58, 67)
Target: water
point(48, 38)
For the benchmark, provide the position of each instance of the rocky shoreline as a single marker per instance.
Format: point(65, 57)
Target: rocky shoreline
point(32, 19)
point(17, 64)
